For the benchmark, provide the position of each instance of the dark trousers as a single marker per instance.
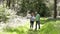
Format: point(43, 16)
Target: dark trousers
point(31, 24)
point(37, 23)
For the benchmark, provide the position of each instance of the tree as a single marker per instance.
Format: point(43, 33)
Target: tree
point(3, 15)
point(8, 3)
point(35, 5)
point(13, 4)
point(55, 9)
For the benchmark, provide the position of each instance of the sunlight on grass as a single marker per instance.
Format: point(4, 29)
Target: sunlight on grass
point(43, 18)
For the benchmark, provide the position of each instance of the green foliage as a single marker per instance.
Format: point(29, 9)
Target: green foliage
point(3, 14)
point(35, 5)
point(44, 11)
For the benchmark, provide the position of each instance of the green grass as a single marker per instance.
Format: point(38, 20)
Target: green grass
point(51, 26)
point(46, 20)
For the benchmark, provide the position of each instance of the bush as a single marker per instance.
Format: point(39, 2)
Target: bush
point(3, 14)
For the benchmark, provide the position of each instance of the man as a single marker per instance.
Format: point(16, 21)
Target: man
point(37, 21)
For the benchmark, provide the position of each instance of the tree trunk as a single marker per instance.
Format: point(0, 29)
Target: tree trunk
point(55, 9)
point(13, 4)
point(8, 3)
point(3, 2)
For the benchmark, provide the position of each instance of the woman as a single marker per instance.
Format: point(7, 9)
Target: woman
point(32, 20)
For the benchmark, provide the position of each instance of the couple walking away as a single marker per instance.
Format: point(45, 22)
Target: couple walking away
point(35, 18)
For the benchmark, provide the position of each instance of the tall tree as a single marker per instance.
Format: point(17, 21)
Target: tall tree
point(55, 9)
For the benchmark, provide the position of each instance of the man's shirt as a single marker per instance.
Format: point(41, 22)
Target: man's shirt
point(37, 17)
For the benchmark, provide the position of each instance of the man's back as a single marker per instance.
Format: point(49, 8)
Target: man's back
point(37, 17)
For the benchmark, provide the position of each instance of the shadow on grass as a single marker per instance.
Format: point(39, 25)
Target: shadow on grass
point(33, 32)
